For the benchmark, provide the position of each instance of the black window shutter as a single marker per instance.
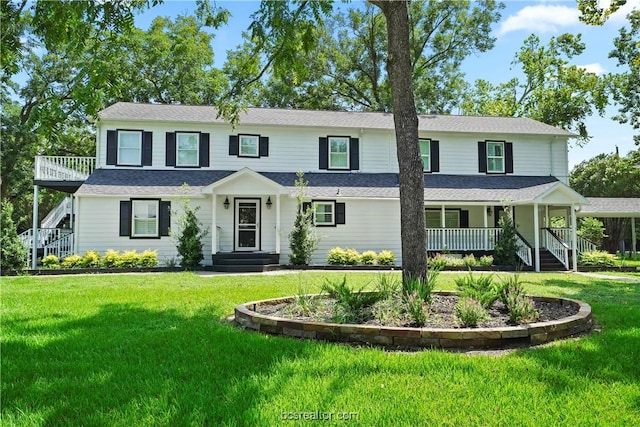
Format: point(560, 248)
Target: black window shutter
point(234, 143)
point(464, 219)
point(264, 146)
point(112, 147)
point(354, 152)
point(147, 148)
point(170, 152)
point(435, 156)
point(340, 213)
point(204, 150)
point(482, 156)
point(305, 206)
point(165, 218)
point(125, 218)
point(323, 153)
point(508, 157)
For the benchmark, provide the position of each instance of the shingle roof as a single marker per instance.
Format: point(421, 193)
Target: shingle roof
point(611, 207)
point(124, 111)
point(438, 188)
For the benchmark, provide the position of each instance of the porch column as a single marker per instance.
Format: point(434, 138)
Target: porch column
point(547, 222)
point(574, 238)
point(485, 223)
point(76, 225)
point(634, 240)
point(214, 229)
point(442, 221)
point(536, 235)
point(34, 227)
point(278, 224)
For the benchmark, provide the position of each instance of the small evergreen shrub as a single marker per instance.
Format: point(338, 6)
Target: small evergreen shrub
point(337, 256)
point(479, 288)
point(190, 238)
point(597, 259)
point(417, 309)
point(368, 258)
point(352, 257)
point(127, 259)
point(485, 261)
point(386, 258)
point(51, 261)
point(111, 259)
point(506, 248)
point(303, 239)
point(437, 261)
point(469, 261)
point(148, 259)
point(91, 259)
point(469, 311)
point(72, 261)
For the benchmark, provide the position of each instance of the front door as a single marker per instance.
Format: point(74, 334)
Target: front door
point(247, 225)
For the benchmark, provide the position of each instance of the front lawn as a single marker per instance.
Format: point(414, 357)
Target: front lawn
point(155, 349)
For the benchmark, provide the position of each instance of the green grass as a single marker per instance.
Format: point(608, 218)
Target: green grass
point(155, 350)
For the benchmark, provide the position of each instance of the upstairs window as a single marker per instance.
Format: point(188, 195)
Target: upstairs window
point(338, 152)
point(129, 148)
point(425, 153)
point(323, 213)
point(187, 147)
point(249, 145)
point(495, 157)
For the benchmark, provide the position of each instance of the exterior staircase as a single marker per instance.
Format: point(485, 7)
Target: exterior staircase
point(548, 262)
point(245, 262)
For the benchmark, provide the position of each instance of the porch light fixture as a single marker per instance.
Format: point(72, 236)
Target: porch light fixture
point(226, 202)
point(489, 211)
point(269, 202)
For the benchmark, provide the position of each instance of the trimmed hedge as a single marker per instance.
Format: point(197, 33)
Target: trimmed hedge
point(111, 259)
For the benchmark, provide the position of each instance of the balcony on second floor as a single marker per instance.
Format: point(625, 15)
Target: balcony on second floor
point(62, 173)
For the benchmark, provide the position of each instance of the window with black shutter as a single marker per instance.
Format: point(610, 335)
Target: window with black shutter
point(145, 218)
point(248, 145)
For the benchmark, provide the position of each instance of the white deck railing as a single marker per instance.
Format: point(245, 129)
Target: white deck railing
point(63, 168)
point(45, 236)
point(584, 245)
point(557, 247)
point(461, 239)
point(58, 213)
point(62, 247)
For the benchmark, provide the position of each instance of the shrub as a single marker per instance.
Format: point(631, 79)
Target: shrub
point(13, 253)
point(386, 258)
point(148, 259)
point(388, 286)
point(352, 257)
point(387, 311)
point(469, 261)
point(480, 288)
point(522, 309)
point(72, 261)
point(51, 261)
point(485, 261)
point(111, 259)
point(417, 309)
point(417, 286)
point(470, 311)
point(303, 239)
point(368, 257)
point(351, 303)
point(337, 256)
point(127, 259)
point(91, 259)
point(190, 237)
point(510, 285)
point(437, 261)
point(506, 248)
point(597, 259)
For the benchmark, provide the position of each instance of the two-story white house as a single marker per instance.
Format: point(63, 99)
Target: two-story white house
point(242, 180)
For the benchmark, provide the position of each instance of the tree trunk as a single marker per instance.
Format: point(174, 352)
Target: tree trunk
point(412, 227)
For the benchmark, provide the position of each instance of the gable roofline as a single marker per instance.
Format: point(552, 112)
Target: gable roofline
point(569, 192)
point(127, 111)
point(243, 173)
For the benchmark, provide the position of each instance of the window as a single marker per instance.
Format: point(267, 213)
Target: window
point(187, 145)
point(249, 145)
point(129, 148)
point(495, 157)
point(144, 218)
point(425, 153)
point(451, 218)
point(338, 152)
point(323, 213)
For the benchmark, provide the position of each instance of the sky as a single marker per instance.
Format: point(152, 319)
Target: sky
point(545, 18)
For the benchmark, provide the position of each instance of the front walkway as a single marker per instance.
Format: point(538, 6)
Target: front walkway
point(609, 277)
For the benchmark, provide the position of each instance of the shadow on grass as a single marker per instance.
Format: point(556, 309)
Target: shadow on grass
point(612, 351)
point(127, 364)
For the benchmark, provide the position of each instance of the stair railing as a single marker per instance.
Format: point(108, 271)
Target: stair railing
point(556, 246)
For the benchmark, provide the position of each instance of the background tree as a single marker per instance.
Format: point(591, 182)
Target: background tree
point(609, 175)
point(551, 91)
point(13, 254)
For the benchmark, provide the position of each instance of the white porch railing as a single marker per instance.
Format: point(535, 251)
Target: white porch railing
point(524, 251)
point(557, 247)
point(584, 245)
point(45, 236)
point(61, 247)
point(461, 239)
point(63, 168)
point(58, 213)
